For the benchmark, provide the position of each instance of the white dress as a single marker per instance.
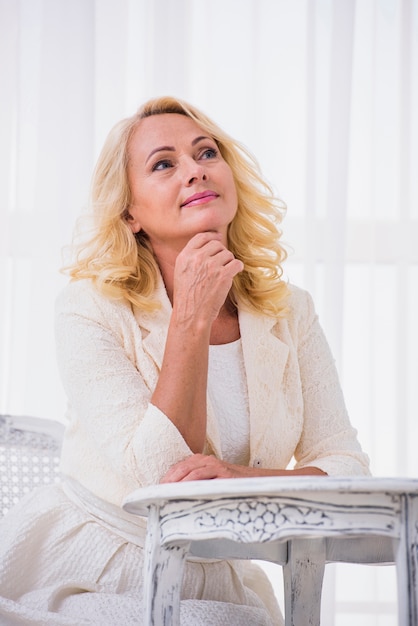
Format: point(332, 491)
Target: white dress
point(83, 557)
point(68, 557)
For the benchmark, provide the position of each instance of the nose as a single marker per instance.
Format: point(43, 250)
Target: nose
point(194, 171)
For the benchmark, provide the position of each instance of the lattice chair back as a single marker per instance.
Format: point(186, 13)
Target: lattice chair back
point(29, 456)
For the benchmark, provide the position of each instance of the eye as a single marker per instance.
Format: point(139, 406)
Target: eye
point(162, 165)
point(209, 153)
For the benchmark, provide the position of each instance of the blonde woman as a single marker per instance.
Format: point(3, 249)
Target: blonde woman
point(185, 356)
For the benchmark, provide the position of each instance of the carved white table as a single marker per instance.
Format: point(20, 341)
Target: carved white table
point(299, 522)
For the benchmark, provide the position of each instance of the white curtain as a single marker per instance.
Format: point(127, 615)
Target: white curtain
point(324, 92)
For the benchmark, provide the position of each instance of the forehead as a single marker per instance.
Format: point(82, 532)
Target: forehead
point(165, 129)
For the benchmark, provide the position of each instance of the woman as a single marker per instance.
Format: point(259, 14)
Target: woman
point(185, 356)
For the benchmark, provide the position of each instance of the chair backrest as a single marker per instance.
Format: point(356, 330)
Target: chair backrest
point(29, 456)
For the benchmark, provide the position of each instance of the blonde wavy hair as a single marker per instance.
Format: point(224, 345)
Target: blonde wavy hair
point(122, 264)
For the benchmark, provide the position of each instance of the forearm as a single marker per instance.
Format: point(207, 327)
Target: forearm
point(181, 389)
point(302, 471)
point(202, 279)
point(328, 439)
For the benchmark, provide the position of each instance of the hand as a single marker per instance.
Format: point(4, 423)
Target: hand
point(204, 467)
point(203, 277)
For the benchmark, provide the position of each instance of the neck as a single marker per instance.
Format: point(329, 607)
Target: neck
point(167, 273)
point(225, 328)
point(166, 263)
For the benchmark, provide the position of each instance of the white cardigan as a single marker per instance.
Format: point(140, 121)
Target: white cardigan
point(109, 356)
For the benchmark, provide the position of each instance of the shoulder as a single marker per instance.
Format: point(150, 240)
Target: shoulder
point(300, 301)
point(301, 317)
point(82, 297)
point(296, 322)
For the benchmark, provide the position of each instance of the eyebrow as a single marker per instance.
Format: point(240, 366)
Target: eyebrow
point(172, 149)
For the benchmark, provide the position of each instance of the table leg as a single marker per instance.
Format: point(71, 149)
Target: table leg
point(303, 575)
point(407, 563)
point(163, 575)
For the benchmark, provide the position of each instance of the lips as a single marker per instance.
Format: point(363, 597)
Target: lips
point(200, 198)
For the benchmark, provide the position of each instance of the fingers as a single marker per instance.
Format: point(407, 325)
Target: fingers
point(198, 467)
point(206, 245)
point(226, 260)
point(199, 240)
point(206, 251)
point(210, 243)
point(203, 276)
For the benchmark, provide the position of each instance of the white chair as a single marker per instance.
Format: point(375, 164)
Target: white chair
point(29, 456)
point(302, 523)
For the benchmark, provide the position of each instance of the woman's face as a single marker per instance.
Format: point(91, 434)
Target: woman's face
point(180, 184)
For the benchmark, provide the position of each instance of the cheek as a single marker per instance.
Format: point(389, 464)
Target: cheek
point(233, 194)
point(231, 184)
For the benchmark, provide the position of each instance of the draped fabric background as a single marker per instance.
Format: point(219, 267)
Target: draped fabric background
point(324, 92)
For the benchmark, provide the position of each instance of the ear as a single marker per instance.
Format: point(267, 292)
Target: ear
point(132, 221)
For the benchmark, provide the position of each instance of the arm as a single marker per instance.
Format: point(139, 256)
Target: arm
point(108, 379)
point(125, 415)
point(205, 467)
point(328, 443)
point(202, 280)
point(328, 440)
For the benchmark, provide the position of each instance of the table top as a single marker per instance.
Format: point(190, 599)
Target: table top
point(138, 501)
